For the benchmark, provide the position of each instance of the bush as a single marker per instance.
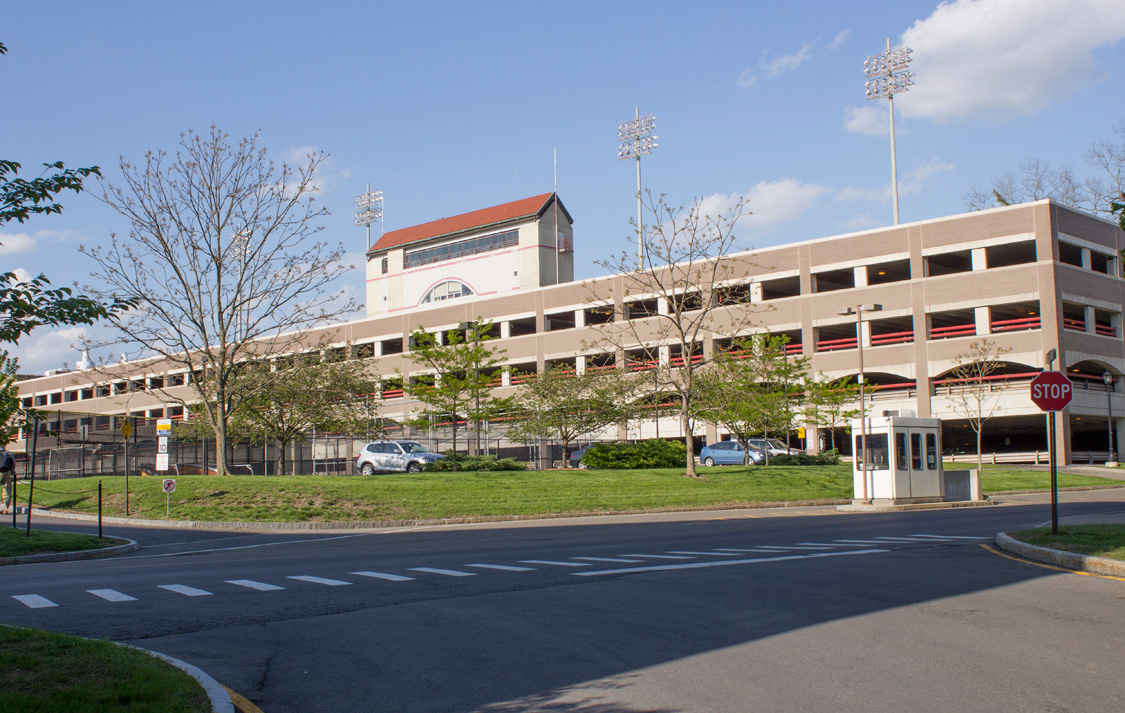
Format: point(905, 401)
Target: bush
point(466, 462)
point(646, 454)
point(824, 458)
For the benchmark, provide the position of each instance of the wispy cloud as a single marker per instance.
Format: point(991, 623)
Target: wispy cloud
point(16, 244)
point(839, 40)
point(868, 119)
point(771, 203)
point(788, 62)
point(912, 182)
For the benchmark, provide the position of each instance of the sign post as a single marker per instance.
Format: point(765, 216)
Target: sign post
point(163, 431)
point(169, 487)
point(126, 431)
point(1051, 391)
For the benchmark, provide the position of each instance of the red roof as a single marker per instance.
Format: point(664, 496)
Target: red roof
point(484, 218)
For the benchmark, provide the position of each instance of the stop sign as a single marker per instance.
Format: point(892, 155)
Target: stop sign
point(1051, 391)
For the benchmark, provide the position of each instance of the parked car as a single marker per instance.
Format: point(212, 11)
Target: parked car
point(394, 457)
point(774, 446)
point(575, 457)
point(728, 453)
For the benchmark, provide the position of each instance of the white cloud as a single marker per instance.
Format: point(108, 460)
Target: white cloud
point(22, 275)
point(327, 176)
point(863, 221)
point(43, 350)
point(16, 243)
point(788, 62)
point(770, 203)
point(912, 182)
point(868, 119)
point(1005, 58)
point(839, 40)
point(747, 79)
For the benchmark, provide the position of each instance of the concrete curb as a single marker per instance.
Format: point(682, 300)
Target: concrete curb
point(220, 700)
point(852, 507)
point(1059, 558)
point(129, 546)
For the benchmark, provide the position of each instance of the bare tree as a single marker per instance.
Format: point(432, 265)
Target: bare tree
point(685, 271)
point(222, 258)
point(976, 386)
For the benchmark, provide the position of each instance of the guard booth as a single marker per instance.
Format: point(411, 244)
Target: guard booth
point(903, 460)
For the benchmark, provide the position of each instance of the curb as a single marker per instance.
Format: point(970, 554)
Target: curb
point(1059, 558)
point(220, 700)
point(129, 546)
point(851, 507)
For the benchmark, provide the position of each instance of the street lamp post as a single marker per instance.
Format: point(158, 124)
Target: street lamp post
point(637, 140)
point(368, 209)
point(887, 75)
point(1109, 381)
point(858, 311)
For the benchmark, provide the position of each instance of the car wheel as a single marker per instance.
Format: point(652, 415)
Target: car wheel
point(708, 461)
point(367, 469)
point(414, 467)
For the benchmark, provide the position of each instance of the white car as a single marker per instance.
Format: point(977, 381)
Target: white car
point(774, 446)
point(394, 457)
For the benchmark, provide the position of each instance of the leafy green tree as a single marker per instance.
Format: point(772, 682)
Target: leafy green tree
point(565, 405)
point(830, 404)
point(754, 389)
point(11, 411)
point(293, 396)
point(460, 371)
point(976, 384)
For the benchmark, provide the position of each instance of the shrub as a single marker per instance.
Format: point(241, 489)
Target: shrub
point(466, 462)
point(646, 454)
point(826, 458)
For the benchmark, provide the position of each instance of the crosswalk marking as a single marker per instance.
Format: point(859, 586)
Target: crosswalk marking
point(556, 564)
point(446, 572)
point(111, 595)
point(503, 567)
point(605, 559)
point(381, 575)
point(661, 557)
point(34, 601)
point(185, 590)
point(251, 584)
point(862, 542)
point(820, 544)
point(319, 580)
point(697, 554)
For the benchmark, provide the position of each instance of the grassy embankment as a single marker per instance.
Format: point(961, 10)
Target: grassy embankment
point(1096, 540)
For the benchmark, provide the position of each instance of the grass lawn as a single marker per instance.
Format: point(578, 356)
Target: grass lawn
point(1096, 540)
point(1000, 478)
point(426, 496)
point(44, 672)
point(16, 543)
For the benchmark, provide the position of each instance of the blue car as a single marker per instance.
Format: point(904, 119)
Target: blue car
point(728, 453)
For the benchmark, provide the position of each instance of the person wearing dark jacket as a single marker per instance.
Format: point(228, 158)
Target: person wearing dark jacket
point(7, 477)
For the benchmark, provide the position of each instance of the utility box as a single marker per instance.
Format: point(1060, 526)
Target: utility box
point(903, 460)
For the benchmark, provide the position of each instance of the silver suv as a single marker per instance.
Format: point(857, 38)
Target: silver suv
point(394, 457)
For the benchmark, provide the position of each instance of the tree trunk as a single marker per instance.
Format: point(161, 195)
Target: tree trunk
point(689, 442)
point(280, 469)
point(220, 442)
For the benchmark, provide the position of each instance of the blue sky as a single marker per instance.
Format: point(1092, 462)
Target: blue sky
point(451, 107)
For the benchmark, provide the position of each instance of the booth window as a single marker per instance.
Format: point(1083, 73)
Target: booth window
point(900, 451)
point(931, 451)
point(916, 451)
point(876, 450)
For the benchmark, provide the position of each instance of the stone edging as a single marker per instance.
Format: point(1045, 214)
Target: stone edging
point(129, 546)
point(1059, 558)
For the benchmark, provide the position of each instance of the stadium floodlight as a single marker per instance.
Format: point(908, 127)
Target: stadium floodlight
point(368, 209)
point(887, 75)
point(637, 140)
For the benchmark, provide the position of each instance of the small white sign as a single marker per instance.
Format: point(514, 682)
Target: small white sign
point(162, 444)
point(162, 461)
point(163, 426)
point(169, 485)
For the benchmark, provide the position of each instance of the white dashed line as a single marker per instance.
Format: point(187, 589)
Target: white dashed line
point(111, 595)
point(556, 564)
point(700, 554)
point(388, 577)
point(661, 557)
point(503, 567)
point(34, 601)
point(721, 563)
point(251, 584)
point(319, 580)
point(954, 537)
point(862, 542)
point(446, 572)
point(606, 559)
point(185, 590)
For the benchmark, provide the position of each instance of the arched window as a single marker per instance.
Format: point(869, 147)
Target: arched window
point(448, 290)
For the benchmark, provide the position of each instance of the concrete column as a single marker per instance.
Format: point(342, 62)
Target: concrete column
point(755, 292)
point(579, 318)
point(980, 259)
point(377, 349)
point(505, 378)
point(661, 305)
point(1118, 437)
point(984, 325)
point(1089, 318)
point(1086, 258)
point(865, 333)
point(665, 355)
point(580, 364)
point(505, 330)
point(860, 275)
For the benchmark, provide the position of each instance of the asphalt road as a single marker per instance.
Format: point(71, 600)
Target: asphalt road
point(784, 610)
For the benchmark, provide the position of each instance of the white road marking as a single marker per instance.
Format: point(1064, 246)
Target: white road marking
point(250, 547)
point(820, 544)
point(388, 577)
point(953, 537)
point(503, 567)
point(556, 564)
point(862, 542)
point(661, 557)
point(900, 539)
point(319, 580)
point(185, 590)
point(111, 595)
point(721, 563)
point(251, 584)
point(34, 601)
point(767, 548)
point(707, 554)
point(605, 559)
point(446, 572)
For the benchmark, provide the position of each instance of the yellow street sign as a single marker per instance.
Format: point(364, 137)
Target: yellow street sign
point(800, 433)
point(126, 428)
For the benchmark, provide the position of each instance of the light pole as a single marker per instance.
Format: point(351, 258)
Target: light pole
point(368, 209)
point(1108, 379)
point(637, 140)
point(887, 75)
point(858, 311)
